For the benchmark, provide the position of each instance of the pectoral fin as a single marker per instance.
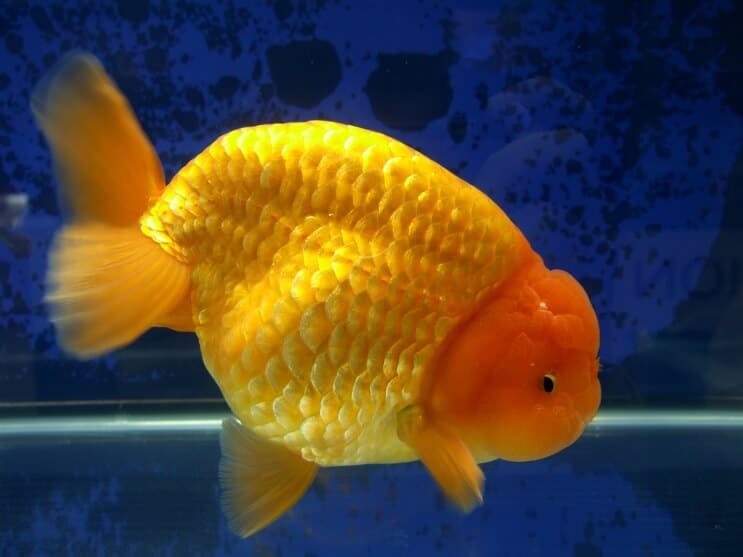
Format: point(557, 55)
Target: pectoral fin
point(260, 480)
point(445, 456)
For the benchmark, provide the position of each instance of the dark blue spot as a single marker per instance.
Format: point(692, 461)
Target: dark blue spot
point(136, 11)
point(408, 90)
point(573, 166)
point(586, 550)
point(156, 59)
point(14, 42)
point(225, 87)
point(42, 21)
point(457, 127)
point(574, 214)
point(283, 9)
point(593, 285)
point(304, 72)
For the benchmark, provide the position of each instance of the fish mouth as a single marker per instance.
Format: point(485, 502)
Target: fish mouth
point(584, 404)
point(578, 410)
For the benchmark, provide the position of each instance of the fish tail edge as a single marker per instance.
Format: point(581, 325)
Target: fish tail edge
point(107, 282)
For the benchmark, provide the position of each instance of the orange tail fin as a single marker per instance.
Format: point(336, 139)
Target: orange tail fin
point(107, 282)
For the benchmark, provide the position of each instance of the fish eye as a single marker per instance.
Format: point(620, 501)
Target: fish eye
point(549, 382)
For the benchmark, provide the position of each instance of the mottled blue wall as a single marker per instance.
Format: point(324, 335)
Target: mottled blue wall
point(610, 134)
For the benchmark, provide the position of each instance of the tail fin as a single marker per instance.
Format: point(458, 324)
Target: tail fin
point(107, 282)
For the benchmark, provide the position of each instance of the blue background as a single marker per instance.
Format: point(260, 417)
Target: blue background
point(612, 133)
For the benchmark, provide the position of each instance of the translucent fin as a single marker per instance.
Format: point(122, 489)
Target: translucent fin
point(260, 480)
point(106, 166)
point(108, 285)
point(445, 456)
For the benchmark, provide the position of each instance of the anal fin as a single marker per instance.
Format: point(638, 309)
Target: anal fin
point(445, 456)
point(261, 480)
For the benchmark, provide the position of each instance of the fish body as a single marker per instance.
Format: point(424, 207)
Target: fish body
point(354, 300)
point(329, 264)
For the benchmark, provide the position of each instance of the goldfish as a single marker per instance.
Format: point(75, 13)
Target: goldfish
point(354, 301)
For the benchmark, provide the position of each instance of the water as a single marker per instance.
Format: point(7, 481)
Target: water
point(612, 135)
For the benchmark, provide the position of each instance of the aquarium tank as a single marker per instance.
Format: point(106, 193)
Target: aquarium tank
point(610, 133)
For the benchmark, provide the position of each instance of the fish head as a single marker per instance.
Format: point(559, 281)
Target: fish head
point(519, 380)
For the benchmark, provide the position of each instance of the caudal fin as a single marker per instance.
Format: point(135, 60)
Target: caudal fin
point(107, 285)
point(105, 165)
point(107, 282)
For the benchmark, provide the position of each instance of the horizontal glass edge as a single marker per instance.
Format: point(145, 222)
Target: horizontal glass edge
point(210, 422)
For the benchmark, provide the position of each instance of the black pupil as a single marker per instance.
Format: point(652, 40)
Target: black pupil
point(548, 382)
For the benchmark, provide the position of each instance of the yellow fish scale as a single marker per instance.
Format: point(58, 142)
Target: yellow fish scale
point(329, 262)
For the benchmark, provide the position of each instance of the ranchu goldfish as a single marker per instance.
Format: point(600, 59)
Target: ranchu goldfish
point(354, 301)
